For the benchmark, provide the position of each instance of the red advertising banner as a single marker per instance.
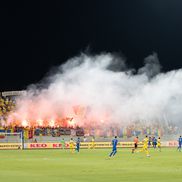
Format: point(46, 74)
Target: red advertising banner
point(82, 145)
point(45, 145)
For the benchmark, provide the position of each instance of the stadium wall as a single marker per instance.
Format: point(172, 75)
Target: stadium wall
point(83, 145)
point(97, 145)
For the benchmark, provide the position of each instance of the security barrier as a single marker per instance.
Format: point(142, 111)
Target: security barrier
point(83, 145)
point(4, 146)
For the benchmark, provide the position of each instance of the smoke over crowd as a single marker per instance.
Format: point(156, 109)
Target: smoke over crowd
point(93, 90)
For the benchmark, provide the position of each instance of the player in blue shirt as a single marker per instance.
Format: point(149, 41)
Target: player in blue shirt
point(149, 142)
point(114, 146)
point(154, 142)
point(179, 144)
point(78, 145)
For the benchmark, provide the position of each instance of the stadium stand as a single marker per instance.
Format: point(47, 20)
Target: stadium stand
point(8, 104)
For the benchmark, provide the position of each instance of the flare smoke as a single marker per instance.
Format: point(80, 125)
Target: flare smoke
point(101, 89)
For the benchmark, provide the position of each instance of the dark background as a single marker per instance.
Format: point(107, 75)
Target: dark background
point(36, 37)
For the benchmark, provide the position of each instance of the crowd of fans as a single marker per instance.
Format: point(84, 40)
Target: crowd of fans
point(8, 104)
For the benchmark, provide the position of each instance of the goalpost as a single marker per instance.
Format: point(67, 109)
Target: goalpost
point(12, 140)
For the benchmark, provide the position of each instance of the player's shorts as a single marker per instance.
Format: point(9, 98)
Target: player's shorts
point(114, 149)
point(136, 145)
point(145, 147)
point(78, 145)
point(71, 146)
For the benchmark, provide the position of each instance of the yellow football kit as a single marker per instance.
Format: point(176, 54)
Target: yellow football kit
point(71, 144)
point(145, 146)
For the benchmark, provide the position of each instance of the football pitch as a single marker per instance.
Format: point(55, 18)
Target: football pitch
point(89, 166)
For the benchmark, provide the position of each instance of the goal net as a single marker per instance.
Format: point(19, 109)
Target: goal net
point(11, 141)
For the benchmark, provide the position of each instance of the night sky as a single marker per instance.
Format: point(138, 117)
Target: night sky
point(37, 37)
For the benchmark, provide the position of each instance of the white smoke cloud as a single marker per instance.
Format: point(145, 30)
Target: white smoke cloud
point(105, 94)
point(152, 66)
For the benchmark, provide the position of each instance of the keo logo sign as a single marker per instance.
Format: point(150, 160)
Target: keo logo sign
point(57, 145)
point(38, 145)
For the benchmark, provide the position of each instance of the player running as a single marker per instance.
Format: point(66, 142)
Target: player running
point(154, 142)
point(135, 144)
point(145, 146)
point(63, 143)
point(114, 146)
point(179, 144)
point(149, 142)
point(78, 145)
point(92, 146)
point(71, 144)
point(159, 144)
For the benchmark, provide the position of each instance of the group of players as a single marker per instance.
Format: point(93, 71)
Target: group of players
point(136, 141)
point(75, 145)
point(147, 142)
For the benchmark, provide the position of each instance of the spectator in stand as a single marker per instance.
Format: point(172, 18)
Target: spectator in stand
point(84, 138)
point(6, 106)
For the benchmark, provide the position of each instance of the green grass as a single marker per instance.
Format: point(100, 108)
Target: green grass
point(89, 165)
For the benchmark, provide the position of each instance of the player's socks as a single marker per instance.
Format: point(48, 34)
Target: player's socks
point(114, 153)
point(111, 154)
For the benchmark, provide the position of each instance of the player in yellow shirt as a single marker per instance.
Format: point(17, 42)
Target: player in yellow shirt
point(71, 144)
point(92, 144)
point(159, 144)
point(145, 146)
